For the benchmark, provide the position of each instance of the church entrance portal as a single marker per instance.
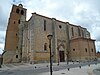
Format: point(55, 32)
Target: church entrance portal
point(61, 55)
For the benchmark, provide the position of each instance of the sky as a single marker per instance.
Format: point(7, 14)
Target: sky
point(85, 13)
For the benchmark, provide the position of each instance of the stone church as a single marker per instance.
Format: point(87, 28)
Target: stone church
point(26, 41)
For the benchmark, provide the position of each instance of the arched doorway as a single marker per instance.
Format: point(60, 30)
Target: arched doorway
point(61, 53)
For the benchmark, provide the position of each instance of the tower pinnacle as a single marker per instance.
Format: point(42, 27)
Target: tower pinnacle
point(20, 5)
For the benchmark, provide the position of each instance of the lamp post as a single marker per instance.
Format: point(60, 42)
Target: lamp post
point(58, 55)
point(50, 37)
point(67, 58)
point(0, 61)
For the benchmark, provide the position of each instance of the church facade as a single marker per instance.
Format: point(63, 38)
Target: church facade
point(26, 41)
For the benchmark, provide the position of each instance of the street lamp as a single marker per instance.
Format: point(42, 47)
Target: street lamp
point(58, 55)
point(50, 37)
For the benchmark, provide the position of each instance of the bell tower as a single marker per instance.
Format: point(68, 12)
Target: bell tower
point(17, 15)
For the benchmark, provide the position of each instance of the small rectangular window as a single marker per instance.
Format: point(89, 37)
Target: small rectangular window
point(16, 56)
point(44, 25)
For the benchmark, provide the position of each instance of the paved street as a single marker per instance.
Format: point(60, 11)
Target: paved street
point(36, 69)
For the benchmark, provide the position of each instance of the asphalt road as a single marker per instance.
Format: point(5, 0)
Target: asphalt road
point(35, 71)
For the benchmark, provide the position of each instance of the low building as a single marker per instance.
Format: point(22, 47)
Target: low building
point(98, 55)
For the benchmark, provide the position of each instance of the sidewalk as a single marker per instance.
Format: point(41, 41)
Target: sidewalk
point(26, 66)
point(85, 70)
point(18, 65)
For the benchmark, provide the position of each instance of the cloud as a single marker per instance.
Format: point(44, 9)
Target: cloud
point(2, 37)
point(96, 33)
point(4, 14)
point(1, 48)
point(5, 7)
point(81, 12)
point(98, 46)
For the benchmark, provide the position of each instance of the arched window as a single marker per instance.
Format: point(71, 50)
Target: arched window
point(22, 12)
point(92, 49)
point(17, 11)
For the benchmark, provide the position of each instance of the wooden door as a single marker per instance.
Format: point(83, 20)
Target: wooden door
point(62, 57)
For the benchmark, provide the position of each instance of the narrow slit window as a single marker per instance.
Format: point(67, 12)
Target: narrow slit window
point(79, 32)
point(72, 31)
point(16, 34)
point(82, 33)
point(92, 49)
point(85, 49)
point(44, 25)
point(45, 47)
point(17, 47)
point(14, 22)
point(18, 21)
